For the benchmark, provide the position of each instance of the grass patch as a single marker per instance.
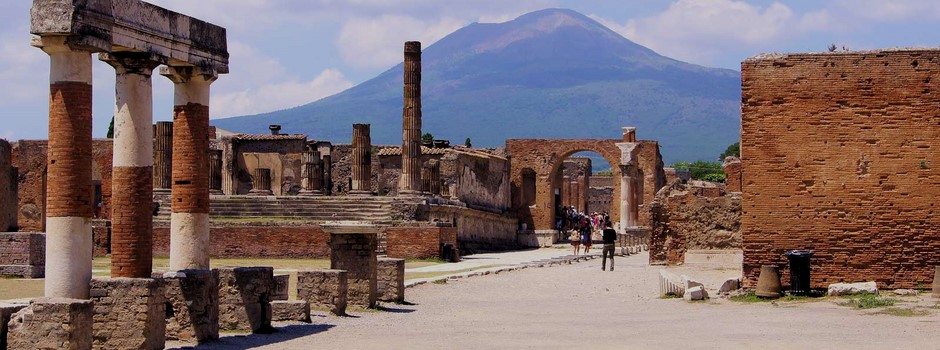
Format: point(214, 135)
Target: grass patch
point(902, 312)
point(440, 282)
point(751, 297)
point(868, 301)
point(670, 296)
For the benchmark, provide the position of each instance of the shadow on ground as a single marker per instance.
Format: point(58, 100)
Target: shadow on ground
point(250, 341)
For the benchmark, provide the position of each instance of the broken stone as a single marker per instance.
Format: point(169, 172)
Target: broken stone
point(853, 288)
point(695, 293)
point(730, 284)
point(905, 292)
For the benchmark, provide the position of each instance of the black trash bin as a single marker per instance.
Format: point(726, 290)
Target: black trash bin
point(799, 271)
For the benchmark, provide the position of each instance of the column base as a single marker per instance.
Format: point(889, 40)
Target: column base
point(129, 313)
point(52, 323)
point(411, 193)
point(194, 298)
point(360, 193)
point(311, 193)
point(216, 192)
point(260, 193)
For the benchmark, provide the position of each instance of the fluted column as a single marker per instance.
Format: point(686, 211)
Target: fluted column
point(628, 207)
point(312, 173)
point(69, 191)
point(410, 180)
point(189, 222)
point(327, 174)
point(132, 172)
point(163, 156)
point(426, 178)
point(261, 182)
point(215, 172)
point(361, 161)
point(435, 167)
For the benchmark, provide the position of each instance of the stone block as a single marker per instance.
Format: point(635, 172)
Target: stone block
point(293, 310)
point(193, 299)
point(390, 278)
point(245, 298)
point(355, 253)
point(688, 282)
point(670, 284)
point(695, 293)
point(853, 288)
point(52, 323)
point(281, 287)
point(6, 312)
point(22, 254)
point(731, 284)
point(323, 289)
point(129, 313)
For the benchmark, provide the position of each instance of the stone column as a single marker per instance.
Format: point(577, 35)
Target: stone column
point(69, 191)
point(355, 252)
point(189, 222)
point(215, 172)
point(410, 180)
point(566, 191)
point(361, 161)
point(328, 174)
point(132, 177)
point(426, 178)
point(312, 173)
point(8, 198)
point(435, 177)
point(576, 194)
point(628, 213)
point(163, 156)
point(261, 182)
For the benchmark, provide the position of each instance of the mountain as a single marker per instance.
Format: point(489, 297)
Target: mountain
point(552, 73)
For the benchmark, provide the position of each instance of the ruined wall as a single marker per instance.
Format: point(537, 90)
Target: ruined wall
point(682, 220)
point(477, 229)
point(732, 167)
point(599, 199)
point(283, 156)
point(650, 169)
point(840, 154)
point(278, 240)
point(386, 167)
point(418, 242)
point(8, 184)
point(482, 181)
point(30, 159)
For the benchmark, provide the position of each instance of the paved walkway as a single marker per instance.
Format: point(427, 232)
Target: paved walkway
point(488, 263)
point(578, 306)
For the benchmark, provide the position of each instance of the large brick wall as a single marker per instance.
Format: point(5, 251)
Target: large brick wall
point(650, 168)
point(256, 241)
point(683, 219)
point(840, 155)
point(418, 242)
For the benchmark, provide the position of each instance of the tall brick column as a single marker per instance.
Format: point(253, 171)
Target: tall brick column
point(163, 156)
point(410, 180)
point(132, 179)
point(189, 222)
point(362, 161)
point(69, 191)
point(312, 173)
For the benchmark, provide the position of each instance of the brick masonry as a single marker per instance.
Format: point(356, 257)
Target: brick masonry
point(390, 277)
point(190, 145)
point(840, 156)
point(418, 242)
point(682, 220)
point(255, 241)
point(325, 289)
point(70, 191)
point(22, 254)
point(355, 253)
point(732, 167)
point(130, 313)
point(293, 310)
point(131, 222)
point(245, 298)
point(52, 323)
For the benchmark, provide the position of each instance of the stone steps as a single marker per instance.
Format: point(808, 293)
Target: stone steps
point(341, 208)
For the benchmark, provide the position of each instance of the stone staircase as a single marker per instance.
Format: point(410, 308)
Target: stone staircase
point(299, 208)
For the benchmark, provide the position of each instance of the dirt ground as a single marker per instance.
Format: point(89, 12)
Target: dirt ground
point(579, 306)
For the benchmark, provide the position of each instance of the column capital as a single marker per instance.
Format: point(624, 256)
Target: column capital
point(141, 63)
point(186, 74)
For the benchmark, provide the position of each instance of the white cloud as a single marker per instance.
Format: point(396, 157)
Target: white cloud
point(276, 96)
point(377, 42)
point(888, 10)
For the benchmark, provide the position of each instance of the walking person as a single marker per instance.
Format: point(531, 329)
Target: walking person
point(610, 236)
point(585, 235)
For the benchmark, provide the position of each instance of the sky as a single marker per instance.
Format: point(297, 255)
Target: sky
point(286, 53)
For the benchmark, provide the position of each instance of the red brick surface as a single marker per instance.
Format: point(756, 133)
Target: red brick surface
point(418, 242)
point(190, 159)
point(300, 242)
point(732, 168)
point(21, 248)
point(840, 155)
point(131, 222)
point(70, 192)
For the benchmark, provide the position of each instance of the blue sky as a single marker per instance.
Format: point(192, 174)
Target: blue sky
point(286, 53)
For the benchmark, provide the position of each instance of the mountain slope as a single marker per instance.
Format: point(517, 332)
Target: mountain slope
point(548, 74)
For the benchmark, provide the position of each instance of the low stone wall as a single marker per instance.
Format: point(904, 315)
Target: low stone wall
point(292, 310)
point(22, 254)
point(478, 229)
point(130, 313)
point(355, 253)
point(52, 323)
point(684, 219)
point(256, 241)
point(6, 313)
point(418, 242)
point(281, 287)
point(390, 276)
point(245, 298)
point(323, 289)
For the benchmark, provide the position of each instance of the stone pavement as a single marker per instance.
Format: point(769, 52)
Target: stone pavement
point(497, 262)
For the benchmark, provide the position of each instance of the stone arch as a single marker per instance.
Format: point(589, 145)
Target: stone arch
point(544, 157)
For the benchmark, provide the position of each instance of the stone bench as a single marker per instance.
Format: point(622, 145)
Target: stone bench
point(323, 289)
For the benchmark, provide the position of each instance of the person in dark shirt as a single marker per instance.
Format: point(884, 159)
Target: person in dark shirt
point(610, 236)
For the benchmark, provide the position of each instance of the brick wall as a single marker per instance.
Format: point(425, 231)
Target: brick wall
point(732, 167)
point(682, 219)
point(21, 248)
point(280, 241)
point(418, 242)
point(840, 154)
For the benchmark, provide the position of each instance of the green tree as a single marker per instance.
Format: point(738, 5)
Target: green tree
point(467, 143)
point(607, 172)
point(702, 168)
point(427, 138)
point(111, 129)
point(733, 150)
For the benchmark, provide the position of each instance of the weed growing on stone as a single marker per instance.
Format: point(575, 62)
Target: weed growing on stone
point(440, 282)
point(868, 301)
